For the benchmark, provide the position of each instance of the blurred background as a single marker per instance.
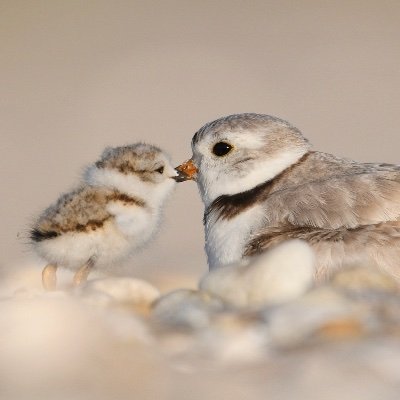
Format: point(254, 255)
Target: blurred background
point(77, 76)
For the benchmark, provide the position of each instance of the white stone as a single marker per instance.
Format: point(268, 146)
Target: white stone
point(121, 290)
point(281, 274)
point(186, 308)
point(293, 322)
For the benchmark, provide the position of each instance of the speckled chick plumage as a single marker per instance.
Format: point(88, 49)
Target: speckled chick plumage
point(115, 210)
point(270, 187)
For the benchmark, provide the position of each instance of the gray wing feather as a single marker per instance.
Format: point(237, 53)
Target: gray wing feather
point(343, 201)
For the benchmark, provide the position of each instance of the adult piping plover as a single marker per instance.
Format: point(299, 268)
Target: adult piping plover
point(261, 184)
point(115, 211)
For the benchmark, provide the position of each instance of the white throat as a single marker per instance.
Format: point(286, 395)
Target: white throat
point(213, 184)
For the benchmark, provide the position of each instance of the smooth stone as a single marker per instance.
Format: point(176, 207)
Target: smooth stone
point(186, 308)
point(96, 298)
point(363, 279)
point(322, 310)
point(341, 328)
point(34, 293)
point(235, 338)
point(281, 274)
point(123, 291)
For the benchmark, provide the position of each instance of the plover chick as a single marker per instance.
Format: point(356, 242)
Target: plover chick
point(115, 211)
point(261, 184)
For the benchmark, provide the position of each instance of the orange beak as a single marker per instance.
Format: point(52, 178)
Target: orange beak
point(186, 171)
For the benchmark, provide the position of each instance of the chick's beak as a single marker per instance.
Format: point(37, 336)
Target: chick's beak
point(186, 171)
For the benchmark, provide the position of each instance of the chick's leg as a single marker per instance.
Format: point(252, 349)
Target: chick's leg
point(49, 277)
point(82, 274)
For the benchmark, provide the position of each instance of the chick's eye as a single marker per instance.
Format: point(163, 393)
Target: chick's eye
point(160, 170)
point(221, 149)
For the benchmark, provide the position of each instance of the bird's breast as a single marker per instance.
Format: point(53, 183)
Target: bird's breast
point(227, 238)
point(136, 223)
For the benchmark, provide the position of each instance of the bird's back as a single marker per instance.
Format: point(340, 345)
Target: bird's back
point(81, 210)
point(328, 192)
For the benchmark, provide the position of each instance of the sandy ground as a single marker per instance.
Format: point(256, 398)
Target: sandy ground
point(117, 338)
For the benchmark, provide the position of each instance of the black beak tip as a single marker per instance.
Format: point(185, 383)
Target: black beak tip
point(181, 177)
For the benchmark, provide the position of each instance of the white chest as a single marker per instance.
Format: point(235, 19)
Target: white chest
point(227, 238)
point(137, 224)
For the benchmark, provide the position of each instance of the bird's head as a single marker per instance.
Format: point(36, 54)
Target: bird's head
point(236, 153)
point(140, 169)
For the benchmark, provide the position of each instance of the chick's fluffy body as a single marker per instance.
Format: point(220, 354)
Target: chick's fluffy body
point(115, 211)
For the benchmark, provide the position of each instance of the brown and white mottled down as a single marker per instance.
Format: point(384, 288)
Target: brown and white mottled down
point(115, 211)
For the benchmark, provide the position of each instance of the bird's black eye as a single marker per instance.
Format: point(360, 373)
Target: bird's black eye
point(160, 170)
point(221, 149)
